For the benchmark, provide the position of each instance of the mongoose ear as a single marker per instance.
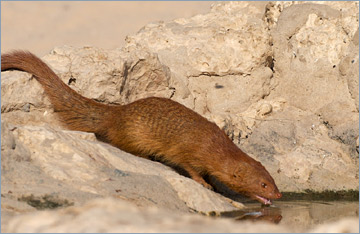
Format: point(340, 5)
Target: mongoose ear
point(237, 172)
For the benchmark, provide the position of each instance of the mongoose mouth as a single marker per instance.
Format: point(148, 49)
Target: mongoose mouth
point(263, 200)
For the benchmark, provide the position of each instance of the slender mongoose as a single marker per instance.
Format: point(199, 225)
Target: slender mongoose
point(156, 127)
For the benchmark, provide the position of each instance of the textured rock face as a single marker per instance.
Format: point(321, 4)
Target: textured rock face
point(229, 46)
point(281, 78)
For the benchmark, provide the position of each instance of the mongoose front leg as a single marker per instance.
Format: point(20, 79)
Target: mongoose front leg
point(197, 177)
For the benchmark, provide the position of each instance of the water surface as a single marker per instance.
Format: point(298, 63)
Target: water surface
point(298, 215)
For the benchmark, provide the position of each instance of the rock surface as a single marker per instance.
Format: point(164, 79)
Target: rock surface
point(114, 215)
point(281, 78)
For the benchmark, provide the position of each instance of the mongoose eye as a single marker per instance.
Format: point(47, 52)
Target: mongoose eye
point(263, 185)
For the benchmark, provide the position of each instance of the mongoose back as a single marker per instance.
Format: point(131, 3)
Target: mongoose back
point(156, 127)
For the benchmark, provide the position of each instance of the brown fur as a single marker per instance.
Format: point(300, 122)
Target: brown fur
point(156, 127)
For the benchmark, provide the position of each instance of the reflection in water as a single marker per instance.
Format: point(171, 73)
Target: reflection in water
point(264, 213)
point(300, 215)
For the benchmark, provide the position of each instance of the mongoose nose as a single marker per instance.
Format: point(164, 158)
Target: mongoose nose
point(278, 195)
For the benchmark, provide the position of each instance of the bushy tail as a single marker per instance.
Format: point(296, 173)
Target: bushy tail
point(77, 112)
